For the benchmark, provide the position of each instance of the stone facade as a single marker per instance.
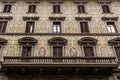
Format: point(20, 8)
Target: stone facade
point(70, 30)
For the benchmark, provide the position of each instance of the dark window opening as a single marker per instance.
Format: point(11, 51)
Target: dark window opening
point(84, 27)
point(81, 8)
point(26, 51)
point(30, 27)
point(57, 53)
point(106, 9)
point(3, 25)
point(56, 8)
point(117, 50)
point(32, 9)
point(7, 8)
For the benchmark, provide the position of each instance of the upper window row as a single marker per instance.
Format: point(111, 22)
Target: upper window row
point(57, 8)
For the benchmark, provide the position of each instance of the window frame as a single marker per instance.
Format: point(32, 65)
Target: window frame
point(82, 10)
point(57, 11)
point(5, 4)
point(60, 27)
point(87, 26)
point(61, 42)
point(115, 22)
point(6, 25)
point(94, 50)
point(32, 11)
point(115, 54)
point(33, 30)
point(27, 41)
point(107, 4)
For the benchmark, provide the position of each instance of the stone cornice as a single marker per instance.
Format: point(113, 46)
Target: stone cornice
point(65, 34)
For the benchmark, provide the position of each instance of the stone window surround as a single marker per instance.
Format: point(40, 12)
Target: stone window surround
point(6, 18)
point(115, 42)
point(88, 42)
point(105, 2)
point(27, 41)
point(56, 3)
point(31, 19)
point(83, 19)
point(83, 3)
point(57, 41)
point(111, 19)
point(57, 19)
point(32, 3)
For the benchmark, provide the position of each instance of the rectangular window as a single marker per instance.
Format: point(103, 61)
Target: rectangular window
point(32, 9)
point(57, 27)
point(111, 27)
point(7, 8)
point(56, 8)
point(26, 51)
point(81, 9)
point(57, 52)
point(88, 51)
point(30, 27)
point(84, 27)
point(106, 8)
point(3, 25)
point(117, 50)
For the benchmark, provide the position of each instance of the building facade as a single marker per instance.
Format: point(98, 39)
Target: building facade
point(59, 39)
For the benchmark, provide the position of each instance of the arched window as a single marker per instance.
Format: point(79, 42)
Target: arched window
point(57, 46)
point(115, 43)
point(88, 46)
point(27, 45)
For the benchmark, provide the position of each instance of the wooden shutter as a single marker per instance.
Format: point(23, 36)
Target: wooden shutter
point(117, 49)
point(26, 51)
point(3, 26)
point(57, 51)
point(89, 52)
point(84, 27)
point(28, 27)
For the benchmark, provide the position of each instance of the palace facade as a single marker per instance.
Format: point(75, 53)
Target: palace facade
point(59, 39)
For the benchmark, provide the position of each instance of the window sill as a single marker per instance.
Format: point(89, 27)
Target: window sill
point(82, 13)
point(107, 13)
point(5, 12)
point(31, 12)
point(57, 13)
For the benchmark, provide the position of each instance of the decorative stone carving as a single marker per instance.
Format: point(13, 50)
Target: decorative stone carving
point(11, 51)
point(42, 51)
point(73, 51)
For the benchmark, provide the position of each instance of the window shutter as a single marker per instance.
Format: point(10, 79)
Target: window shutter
point(30, 7)
point(9, 8)
point(4, 26)
point(54, 8)
point(82, 27)
point(86, 27)
point(24, 51)
point(58, 8)
point(28, 27)
point(88, 51)
point(117, 49)
point(34, 8)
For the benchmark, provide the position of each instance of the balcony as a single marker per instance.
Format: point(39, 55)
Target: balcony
point(72, 64)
